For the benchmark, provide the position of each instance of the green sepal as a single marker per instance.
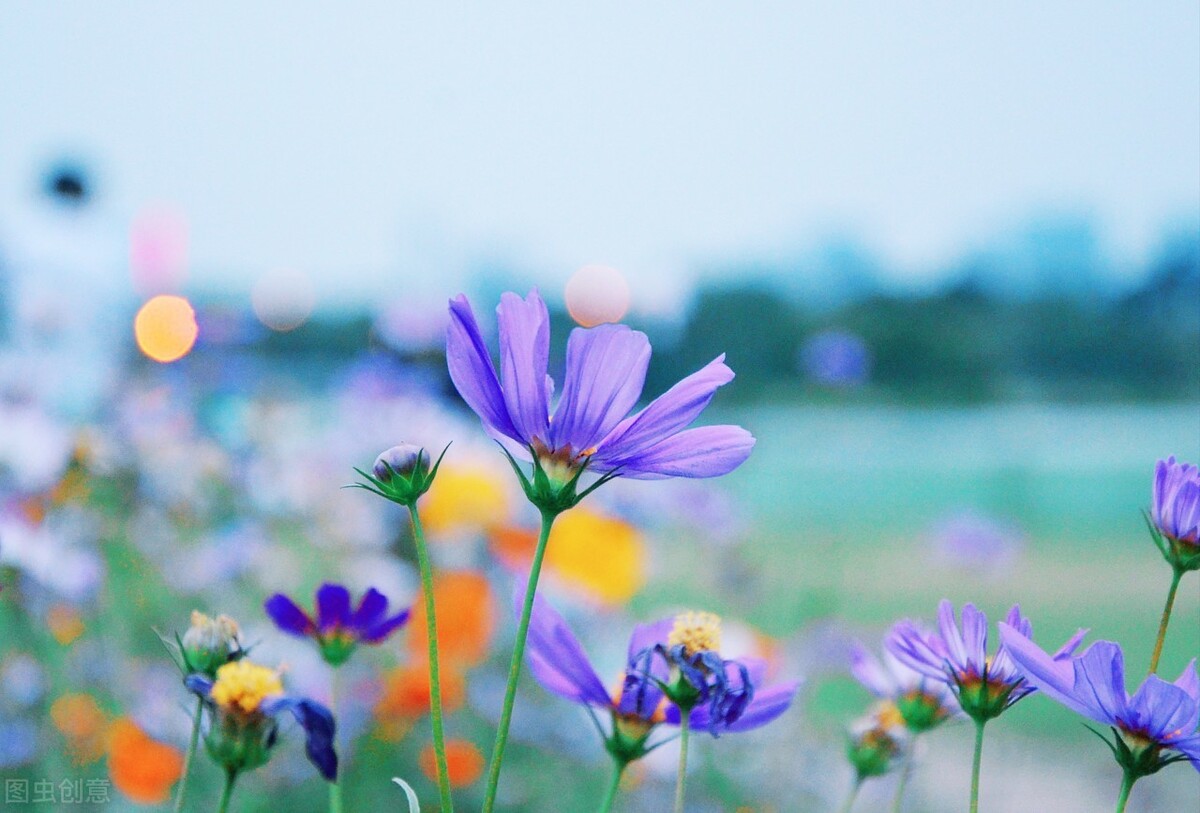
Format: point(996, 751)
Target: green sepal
point(1182, 556)
point(1137, 762)
point(403, 489)
point(550, 496)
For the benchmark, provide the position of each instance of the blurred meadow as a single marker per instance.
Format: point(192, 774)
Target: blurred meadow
point(960, 293)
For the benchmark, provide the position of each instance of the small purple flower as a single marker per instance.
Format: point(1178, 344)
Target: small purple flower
point(591, 426)
point(558, 662)
point(1159, 716)
point(1175, 509)
point(985, 685)
point(922, 702)
point(836, 358)
point(336, 627)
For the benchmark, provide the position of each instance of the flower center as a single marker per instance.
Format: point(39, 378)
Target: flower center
point(696, 632)
point(243, 686)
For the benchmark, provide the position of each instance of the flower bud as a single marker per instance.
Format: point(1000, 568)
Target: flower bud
point(876, 741)
point(403, 459)
point(210, 643)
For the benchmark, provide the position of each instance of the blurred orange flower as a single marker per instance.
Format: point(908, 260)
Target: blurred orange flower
point(464, 763)
point(466, 619)
point(140, 767)
point(65, 623)
point(602, 556)
point(405, 697)
point(82, 723)
point(464, 499)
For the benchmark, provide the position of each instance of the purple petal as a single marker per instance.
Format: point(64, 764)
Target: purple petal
point(472, 372)
point(948, 628)
point(1065, 651)
point(1188, 680)
point(1100, 681)
point(868, 671)
point(708, 451)
point(1161, 709)
point(1190, 748)
point(288, 615)
point(975, 636)
point(646, 636)
point(524, 351)
point(1055, 678)
point(667, 414)
point(556, 658)
point(371, 608)
point(333, 607)
point(381, 629)
point(606, 368)
point(766, 705)
point(920, 651)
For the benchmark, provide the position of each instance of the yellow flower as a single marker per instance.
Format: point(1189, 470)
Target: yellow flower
point(464, 499)
point(244, 685)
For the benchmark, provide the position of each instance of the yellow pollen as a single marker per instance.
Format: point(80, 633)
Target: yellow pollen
point(243, 686)
point(889, 717)
point(697, 632)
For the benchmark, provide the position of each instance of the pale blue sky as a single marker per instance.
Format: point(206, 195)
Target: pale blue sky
point(372, 143)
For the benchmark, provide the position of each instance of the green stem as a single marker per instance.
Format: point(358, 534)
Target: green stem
point(335, 787)
point(613, 784)
point(230, 778)
point(514, 667)
point(187, 758)
point(1126, 786)
point(905, 773)
point(435, 679)
point(684, 727)
point(849, 803)
point(975, 766)
point(1166, 619)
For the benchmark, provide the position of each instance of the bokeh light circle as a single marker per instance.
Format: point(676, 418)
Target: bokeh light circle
point(597, 294)
point(165, 328)
point(283, 299)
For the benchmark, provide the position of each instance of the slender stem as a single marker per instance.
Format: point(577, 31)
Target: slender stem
point(975, 766)
point(514, 667)
point(849, 803)
point(435, 678)
point(1166, 619)
point(335, 787)
point(680, 779)
point(905, 773)
point(613, 784)
point(230, 778)
point(1126, 786)
point(187, 758)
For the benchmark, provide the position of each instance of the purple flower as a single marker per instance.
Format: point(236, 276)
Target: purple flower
point(922, 702)
point(1176, 506)
point(558, 662)
point(1159, 716)
point(336, 627)
point(985, 685)
point(591, 426)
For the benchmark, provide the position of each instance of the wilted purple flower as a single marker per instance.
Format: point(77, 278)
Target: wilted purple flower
point(591, 426)
point(985, 685)
point(836, 358)
point(1159, 716)
point(336, 627)
point(921, 701)
point(1176, 506)
point(559, 663)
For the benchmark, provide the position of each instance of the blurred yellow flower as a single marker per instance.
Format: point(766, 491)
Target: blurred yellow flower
point(83, 724)
point(65, 623)
point(602, 556)
point(464, 499)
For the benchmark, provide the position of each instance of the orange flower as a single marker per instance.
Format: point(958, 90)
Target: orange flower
point(82, 723)
point(464, 763)
point(466, 619)
point(65, 623)
point(406, 697)
point(140, 767)
point(602, 556)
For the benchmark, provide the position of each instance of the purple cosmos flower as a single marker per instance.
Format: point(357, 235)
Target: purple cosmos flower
point(558, 662)
point(337, 628)
point(985, 685)
point(921, 701)
point(1175, 514)
point(246, 701)
point(591, 426)
point(1159, 716)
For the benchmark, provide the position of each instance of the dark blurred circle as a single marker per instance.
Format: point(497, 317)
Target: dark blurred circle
point(68, 184)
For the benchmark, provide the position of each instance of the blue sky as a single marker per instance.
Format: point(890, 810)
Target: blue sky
point(377, 147)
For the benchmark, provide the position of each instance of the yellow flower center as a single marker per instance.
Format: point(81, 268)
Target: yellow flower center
point(696, 632)
point(889, 717)
point(243, 686)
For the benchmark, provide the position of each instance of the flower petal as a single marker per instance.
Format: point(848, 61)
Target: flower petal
point(556, 658)
point(472, 372)
point(974, 625)
point(524, 352)
point(333, 607)
point(868, 671)
point(707, 451)
point(319, 729)
point(288, 615)
point(381, 629)
point(1100, 681)
point(667, 414)
point(606, 369)
point(1055, 678)
point(371, 608)
point(1160, 709)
